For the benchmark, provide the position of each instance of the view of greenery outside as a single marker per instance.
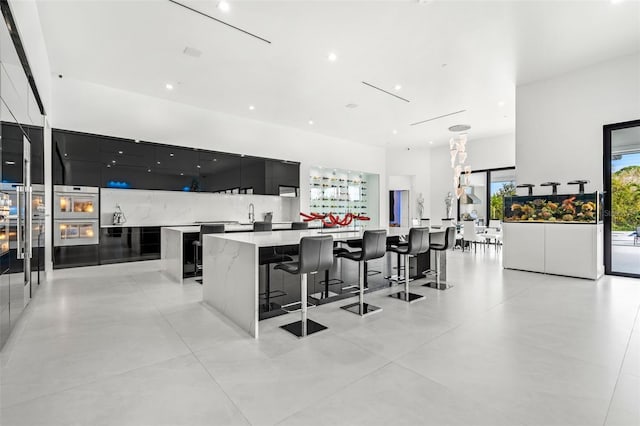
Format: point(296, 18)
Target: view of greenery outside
point(497, 199)
point(625, 199)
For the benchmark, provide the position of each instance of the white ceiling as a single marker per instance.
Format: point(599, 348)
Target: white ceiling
point(488, 48)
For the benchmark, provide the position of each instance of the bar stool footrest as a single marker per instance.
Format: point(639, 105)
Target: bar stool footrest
point(407, 297)
point(295, 328)
point(332, 281)
point(272, 293)
point(271, 311)
point(296, 306)
point(321, 295)
point(367, 309)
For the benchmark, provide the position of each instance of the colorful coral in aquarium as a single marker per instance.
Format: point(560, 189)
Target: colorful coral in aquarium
point(581, 208)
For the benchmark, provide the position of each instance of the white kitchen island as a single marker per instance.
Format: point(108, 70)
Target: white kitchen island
point(172, 243)
point(230, 269)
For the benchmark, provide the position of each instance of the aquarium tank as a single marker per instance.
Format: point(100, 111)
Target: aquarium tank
point(572, 208)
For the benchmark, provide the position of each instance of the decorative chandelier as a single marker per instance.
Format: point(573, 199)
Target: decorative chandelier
point(458, 150)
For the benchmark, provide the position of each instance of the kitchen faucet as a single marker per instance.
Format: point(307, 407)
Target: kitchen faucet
point(252, 213)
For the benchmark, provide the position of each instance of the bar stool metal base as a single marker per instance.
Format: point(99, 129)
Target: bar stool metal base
point(270, 311)
point(367, 309)
point(407, 297)
point(438, 286)
point(296, 327)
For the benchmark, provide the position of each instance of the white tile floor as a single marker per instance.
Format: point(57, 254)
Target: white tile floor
point(122, 345)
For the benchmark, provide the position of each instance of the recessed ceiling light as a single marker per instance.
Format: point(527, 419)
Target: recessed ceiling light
point(158, 162)
point(430, 142)
point(66, 155)
point(251, 107)
point(459, 128)
point(311, 122)
point(171, 154)
point(181, 174)
point(332, 57)
point(395, 132)
point(501, 104)
point(242, 155)
point(215, 159)
point(224, 5)
point(10, 163)
point(113, 161)
point(108, 165)
point(148, 170)
point(397, 87)
point(198, 166)
point(351, 105)
point(137, 141)
point(120, 152)
point(169, 86)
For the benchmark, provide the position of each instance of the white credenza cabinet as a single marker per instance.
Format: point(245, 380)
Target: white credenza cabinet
point(571, 249)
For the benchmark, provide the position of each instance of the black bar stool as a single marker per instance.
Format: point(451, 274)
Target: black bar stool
point(440, 242)
point(266, 257)
point(217, 228)
point(316, 254)
point(418, 243)
point(374, 245)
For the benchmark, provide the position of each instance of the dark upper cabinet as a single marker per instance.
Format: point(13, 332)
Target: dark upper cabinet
point(220, 172)
point(282, 177)
point(13, 151)
point(253, 175)
point(92, 160)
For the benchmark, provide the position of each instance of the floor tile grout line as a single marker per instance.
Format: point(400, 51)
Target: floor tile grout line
point(411, 370)
point(97, 380)
point(341, 388)
point(202, 365)
point(615, 387)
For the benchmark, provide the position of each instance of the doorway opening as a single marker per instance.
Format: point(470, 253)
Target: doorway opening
point(399, 208)
point(622, 198)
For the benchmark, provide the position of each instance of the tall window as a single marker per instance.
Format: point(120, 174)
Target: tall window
point(502, 183)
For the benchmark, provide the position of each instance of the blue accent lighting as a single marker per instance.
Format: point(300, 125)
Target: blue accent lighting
point(117, 184)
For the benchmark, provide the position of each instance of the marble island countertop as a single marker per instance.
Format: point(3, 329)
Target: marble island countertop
point(270, 239)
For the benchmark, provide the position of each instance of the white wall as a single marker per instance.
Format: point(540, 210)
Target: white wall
point(93, 108)
point(409, 170)
point(559, 121)
point(486, 153)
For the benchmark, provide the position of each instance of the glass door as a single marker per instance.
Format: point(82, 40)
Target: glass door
point(622, 198)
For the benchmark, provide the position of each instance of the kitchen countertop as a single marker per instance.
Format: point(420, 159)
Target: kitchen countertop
point(229, 226)
point(236, 227)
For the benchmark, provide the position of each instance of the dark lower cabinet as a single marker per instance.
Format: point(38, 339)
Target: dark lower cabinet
point(74, 256)
point(128, 244)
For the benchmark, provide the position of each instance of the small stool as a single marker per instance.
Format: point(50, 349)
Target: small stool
point(374, 244)
point(316, 254)
point(440, 242)
point(326, 293)
point(204, 229)
point(266, 257)
point(418, 243)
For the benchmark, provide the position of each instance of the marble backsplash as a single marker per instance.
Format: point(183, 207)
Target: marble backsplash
point(168, 208)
